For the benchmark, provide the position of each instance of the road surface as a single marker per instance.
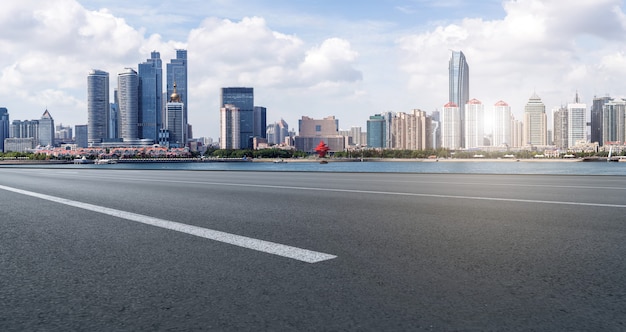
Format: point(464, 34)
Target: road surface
point(133, 250)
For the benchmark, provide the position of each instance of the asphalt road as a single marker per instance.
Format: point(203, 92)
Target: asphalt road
point(115, 250)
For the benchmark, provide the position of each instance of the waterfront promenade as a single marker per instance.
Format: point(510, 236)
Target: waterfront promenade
point(114, 249)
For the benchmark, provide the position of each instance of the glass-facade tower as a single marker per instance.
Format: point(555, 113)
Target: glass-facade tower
point(128, 98)
point(177, 73)
point(376, 132)
point(97, 106)
point(243, 99)
point(458, 81)
point(4, 126)
point(150, 97)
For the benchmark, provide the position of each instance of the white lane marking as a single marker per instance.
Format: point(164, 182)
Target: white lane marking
point(518, 200)
point(300, 254)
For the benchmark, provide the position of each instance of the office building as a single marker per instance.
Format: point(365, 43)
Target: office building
point(25, 129)
point(98, 111)
point(150, 75)
point(243, 99)
point(613, 122)
point(63, 133)
point(128, 95)
point(560, 130)
point(458, 80)
point(259, 115)
point(277, 132)
point(597, 119)
point(82, 134)
point(46, 130)
point(474, 124)
point(175, 123)
point(576, 122)
point(229, 127)
point(355, 133)
point(313, 131)
point(535, 122)
point(502, 124)
point(15, 144)
point(450, 126)
point(376, 132)
point(177, 73)
point(114, 109)
point(4, 126)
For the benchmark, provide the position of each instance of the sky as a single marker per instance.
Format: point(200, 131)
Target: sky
point(314, 58)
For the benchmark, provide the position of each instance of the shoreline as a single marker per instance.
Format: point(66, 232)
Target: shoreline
point(300, 160)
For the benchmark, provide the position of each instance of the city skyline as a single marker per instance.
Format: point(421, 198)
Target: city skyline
point(300, 64)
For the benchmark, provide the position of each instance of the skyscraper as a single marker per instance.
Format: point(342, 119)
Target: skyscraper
point(150, 97)
point(46, 129)
point(243, 99)
point(474, 124)
point(81, 132)
point(613, 121)
point(458, 80)
point(4, 126)
point(376, 132)
point(98, 111)
point(560, 127)
point(229, 127)
point(260, 121)
point(596, 119)
point(177, 73)
point(128, 94)
point(576, 122)
point(502, 122)
point(535, 122)
point(175, 120)
point(451, 127)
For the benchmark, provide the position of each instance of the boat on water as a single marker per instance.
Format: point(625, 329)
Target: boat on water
point(105, 161)
point(83, 160)
point(279, 161)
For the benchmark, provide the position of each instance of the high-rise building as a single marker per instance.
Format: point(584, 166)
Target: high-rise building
point(46, 129)
point(277, 132)
point(576, 122)
point(474, 124)
point(128, 95)
point(559, 122)
point(451, 127)
point(535, 122)
point(613, 121)
point(229, 127)
point(98, 111)
point(25, 129)
point(4, 126)
point(355, 133)
point(150, 75)
point(63, 133)
point(177, 73)
point(243, 99)
point(259, 115)
point(175, 120)
point(82, 134)
point(312, 131)
point(502, 123)
point(113, 120)
point(376, 132)
point(458, 80)
point(596, 119)
point(411, 131)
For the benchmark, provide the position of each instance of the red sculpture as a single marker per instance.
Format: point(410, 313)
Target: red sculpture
point(322, 149)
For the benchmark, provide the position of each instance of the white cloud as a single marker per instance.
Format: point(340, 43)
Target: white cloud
point(538, 46)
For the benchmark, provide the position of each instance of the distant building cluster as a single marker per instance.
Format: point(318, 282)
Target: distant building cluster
point(141, 114)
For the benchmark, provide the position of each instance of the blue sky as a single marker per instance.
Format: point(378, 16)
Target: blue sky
point(315, 58)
